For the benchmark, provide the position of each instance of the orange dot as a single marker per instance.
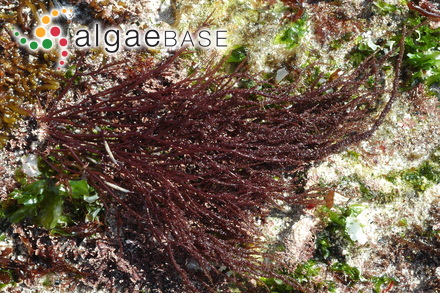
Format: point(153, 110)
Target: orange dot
point(55, 12)
point(45, 19)
point(40, 32)
point(64, 10)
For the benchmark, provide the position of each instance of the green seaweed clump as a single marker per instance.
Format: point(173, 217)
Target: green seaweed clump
point(63, 208)
point(291, 37)
point(423, 55)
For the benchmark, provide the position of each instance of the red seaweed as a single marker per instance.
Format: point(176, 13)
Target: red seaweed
point(425, 8)
point(185, 167)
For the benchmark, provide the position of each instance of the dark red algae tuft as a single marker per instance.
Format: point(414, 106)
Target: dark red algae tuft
point(185, 167)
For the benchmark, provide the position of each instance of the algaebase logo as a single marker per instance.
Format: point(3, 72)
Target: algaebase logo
point(47, 36)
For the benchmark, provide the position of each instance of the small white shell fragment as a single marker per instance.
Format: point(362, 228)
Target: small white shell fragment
point(30, 165)
point(354, 229)
point(281, 73)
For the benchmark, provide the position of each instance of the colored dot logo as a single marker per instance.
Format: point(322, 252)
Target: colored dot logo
point(47, 36)
point(47, 44)
point(45, 19)
point(33, 45)
point(63, 42)
point(55, 31)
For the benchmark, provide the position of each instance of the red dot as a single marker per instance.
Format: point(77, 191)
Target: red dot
point(55, 31)
point(63, 42)
point(61, 62)
point(64, 53)
point(59, 68)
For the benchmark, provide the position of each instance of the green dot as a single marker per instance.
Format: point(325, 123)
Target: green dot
point(47, 44)
point(23, 41)
point(17, 34)
point(33, 45)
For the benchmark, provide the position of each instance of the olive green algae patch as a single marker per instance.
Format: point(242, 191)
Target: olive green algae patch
point(421, 178)
point(23, 79)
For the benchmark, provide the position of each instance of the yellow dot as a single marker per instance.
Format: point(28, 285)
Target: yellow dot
point(64, 10)
point(55, 12)
point(45, 19)
point(40, 32)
